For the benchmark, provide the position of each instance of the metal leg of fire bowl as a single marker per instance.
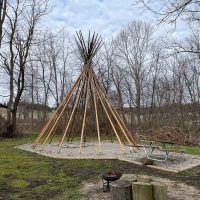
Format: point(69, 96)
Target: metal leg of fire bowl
point(106, 186)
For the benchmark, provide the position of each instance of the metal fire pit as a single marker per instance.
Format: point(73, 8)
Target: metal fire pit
point(108, 177)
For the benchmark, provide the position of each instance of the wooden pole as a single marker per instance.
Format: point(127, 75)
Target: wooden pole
point(96, 112)
point(115, 117)
point(73, 120)
point(54, 132)
point(117, 121)
point(63, 104)
point(107, 132)
point(74, 107)
point(57, 120)
point(115, 112)
point(84, 96)
point(133, 139)
point(49, 123)
point(102, 103)
point(85, 111)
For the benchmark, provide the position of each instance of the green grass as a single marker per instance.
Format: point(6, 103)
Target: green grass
point(18, 183)
point(190, 150)
point(26, 175)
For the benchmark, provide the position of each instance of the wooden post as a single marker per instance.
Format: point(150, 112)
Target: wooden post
point(96, 114)
point(57, 120)
point(70, 118)
point(159, 191)
point(102, 103)
point(85, 111)
point(59, 112)
point(117, 121)
point(116, 115)
point(49, 123)
point(73, 120)
point(121, 190)
point(142, 191)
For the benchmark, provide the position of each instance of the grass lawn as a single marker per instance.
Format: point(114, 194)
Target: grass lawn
point(25, 175)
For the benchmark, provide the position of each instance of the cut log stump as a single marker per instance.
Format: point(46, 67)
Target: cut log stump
point(144, 178)
point(159, 191)
point(129, 177)
point(121, 190)
point(142, 191)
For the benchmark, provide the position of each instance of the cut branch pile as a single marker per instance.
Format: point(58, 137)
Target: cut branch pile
point(166, 133)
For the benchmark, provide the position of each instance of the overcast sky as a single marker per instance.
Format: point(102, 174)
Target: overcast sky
point(106, 17)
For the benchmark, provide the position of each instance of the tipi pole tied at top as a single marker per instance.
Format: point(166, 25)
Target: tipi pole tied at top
point(86, 90)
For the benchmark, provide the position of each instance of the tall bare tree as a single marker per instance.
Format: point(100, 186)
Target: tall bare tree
point(133, 45)
point(170, 11)
point(21, 27)
point(3, 10)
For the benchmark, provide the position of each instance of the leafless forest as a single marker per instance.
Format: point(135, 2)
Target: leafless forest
point(152, 79)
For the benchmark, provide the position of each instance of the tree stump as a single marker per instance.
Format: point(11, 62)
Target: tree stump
point(121, 190)
point(142, 191)
point(146, 161)
point(144, 178)
point(129, 177)
point(159, 191)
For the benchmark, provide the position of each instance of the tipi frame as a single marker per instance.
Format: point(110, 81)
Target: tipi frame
point(86, 84)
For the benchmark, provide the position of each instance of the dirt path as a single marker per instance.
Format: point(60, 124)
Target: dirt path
point(176, 191)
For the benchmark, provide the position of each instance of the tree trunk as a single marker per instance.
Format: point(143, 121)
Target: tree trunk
point(11, 124)
point(138, 109)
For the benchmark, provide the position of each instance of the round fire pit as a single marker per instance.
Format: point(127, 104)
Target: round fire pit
point(108, 177)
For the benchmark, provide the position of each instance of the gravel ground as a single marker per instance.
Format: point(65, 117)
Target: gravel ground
point(175, 191)
point(176, 161)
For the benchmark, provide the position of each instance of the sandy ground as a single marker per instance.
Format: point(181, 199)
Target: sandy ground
point(175, 190)
point(176, 161)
